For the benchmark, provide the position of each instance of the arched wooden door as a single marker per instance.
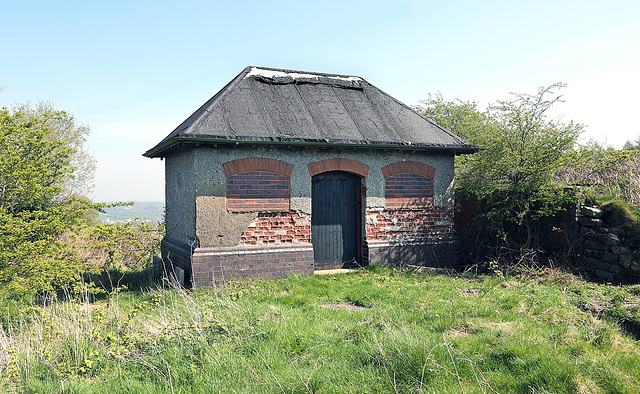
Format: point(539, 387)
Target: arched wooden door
point(336, 219)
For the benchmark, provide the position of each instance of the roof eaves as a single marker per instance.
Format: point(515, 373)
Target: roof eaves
point(161, 149)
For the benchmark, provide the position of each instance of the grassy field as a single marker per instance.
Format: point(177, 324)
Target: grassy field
point(374, 330)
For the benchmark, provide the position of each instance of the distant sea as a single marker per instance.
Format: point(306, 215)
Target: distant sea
point(149, 211)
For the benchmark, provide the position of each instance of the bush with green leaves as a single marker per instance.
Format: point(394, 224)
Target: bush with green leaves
point(32, 214)
point(512, 177)
point(49, 238)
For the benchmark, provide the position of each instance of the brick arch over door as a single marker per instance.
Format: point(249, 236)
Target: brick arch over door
point(339, 164)
point(257, 184)
point(408, 185)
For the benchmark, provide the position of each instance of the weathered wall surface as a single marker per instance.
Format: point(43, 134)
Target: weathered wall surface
point(180, 196)
point(276, 228)
point(608, 245)
point(232, 243)
point(409, 224)
point(215, 226)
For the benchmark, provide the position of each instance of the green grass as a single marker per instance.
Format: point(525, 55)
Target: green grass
point(402, 332)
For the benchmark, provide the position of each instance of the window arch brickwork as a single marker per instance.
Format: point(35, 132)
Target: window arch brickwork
point(408, 184)
point(257, 184)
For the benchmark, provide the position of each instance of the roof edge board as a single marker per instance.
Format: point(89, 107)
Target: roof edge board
point(175, 142)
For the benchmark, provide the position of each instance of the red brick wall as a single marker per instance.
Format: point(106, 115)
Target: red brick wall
point(257, 191)
point(217, 265)
point(408, 191)
point(257, 184)
point(404, 224)
point(338, 164)
point(277, 228)
point(408, 184)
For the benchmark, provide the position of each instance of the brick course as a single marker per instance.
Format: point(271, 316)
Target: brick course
point(338, 164)
point(257, 164)
point(257, 191)
point(217, 265)
point(277, 228)
point(405, 167)
point(403, 224)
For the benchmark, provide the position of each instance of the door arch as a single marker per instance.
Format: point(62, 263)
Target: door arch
point(336, 219)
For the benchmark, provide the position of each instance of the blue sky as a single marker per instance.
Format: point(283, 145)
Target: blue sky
point(133, 70)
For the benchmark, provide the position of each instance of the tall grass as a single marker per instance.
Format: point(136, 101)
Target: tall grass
point(375, 330)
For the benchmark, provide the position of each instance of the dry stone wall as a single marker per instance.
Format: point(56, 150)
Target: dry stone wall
point(607, 246)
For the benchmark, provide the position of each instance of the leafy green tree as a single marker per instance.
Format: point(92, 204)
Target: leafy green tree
point(31, 166)
point(63, 128)
point(32, 215)
point(512, 177)
point(632, 145)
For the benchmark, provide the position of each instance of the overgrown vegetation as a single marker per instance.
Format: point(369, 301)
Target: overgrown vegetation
point(68, 325)
point(48, 240)
point(375, 330)
point(611, 174)
point(529, 170)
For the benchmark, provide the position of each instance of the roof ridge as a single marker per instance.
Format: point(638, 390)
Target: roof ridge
point(292, 71)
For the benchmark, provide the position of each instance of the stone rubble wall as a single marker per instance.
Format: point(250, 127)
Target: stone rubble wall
point(607, 247)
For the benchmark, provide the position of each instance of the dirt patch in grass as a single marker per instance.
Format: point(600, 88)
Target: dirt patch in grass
point(348, 307)
point(470, 292)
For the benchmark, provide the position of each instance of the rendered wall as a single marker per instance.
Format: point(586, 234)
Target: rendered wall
point(180, 196)
point(206, 214)
point(217, 227)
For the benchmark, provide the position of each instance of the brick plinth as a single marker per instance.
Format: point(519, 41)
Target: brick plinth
point(176, 254)
point(435, 252)
point(217, 265)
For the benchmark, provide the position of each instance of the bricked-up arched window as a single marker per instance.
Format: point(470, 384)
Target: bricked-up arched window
point(408, 184)
point(256, 184)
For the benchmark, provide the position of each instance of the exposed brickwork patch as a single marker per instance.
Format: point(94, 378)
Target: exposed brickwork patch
point(400, 225)
point(257, 164)
point(339, 164)
point(404, 167)
point(277, 228)
point(407, 190)
point(257, 191)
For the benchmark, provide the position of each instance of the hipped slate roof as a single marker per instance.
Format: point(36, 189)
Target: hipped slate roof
point(276, 106)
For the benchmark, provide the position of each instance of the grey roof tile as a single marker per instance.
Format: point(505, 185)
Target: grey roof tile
point(298, 107)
